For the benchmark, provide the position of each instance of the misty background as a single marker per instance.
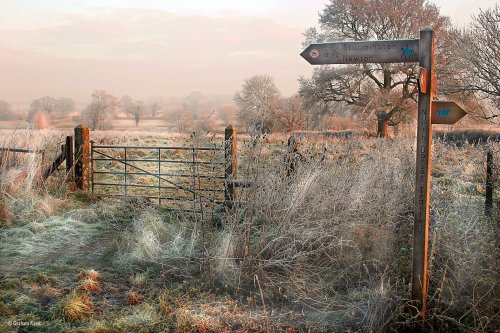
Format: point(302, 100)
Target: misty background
point(156, 48)
point(151, 60)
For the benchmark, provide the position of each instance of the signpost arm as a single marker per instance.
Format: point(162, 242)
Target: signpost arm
point(422, 185)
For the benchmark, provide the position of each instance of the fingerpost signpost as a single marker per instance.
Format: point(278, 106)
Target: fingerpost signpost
point(429, 112)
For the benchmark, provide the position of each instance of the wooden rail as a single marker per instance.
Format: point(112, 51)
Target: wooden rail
point(56, 163)
point(22, 150)
point(66, 154)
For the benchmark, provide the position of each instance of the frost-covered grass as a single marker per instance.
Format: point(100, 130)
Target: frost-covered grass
point(57, 241)
point(330, 246)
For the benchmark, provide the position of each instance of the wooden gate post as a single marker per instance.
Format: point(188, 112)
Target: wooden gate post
point(82, 161)
point(230, 147)
point(488, 203)
point(68, 152)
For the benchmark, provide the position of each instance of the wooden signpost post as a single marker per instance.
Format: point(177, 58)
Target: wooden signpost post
point(423, 173)
point(429, 112)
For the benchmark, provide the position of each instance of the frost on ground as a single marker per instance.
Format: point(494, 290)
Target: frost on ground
point(68, 239)
point(329, 244)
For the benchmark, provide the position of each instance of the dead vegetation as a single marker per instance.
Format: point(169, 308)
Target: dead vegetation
point(330, 245)
point(471, 136)
point(76, 307)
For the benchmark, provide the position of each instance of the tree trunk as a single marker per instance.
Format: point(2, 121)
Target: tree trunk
point(382, 117)
point(382, 126)
point(387, 79)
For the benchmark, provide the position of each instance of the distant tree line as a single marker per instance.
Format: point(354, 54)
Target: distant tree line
point(7, 112)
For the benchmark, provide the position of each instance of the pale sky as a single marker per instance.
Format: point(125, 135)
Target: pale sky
point(158, 48)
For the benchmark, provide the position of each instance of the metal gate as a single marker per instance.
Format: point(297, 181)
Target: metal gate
point(177, 178)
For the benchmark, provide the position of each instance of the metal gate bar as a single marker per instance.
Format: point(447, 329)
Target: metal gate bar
point(162, 148)
point(161, 174)
point(159, 186)
point(155, 160)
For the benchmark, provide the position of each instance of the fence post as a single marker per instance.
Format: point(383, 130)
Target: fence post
point(488, 203)
point(92, 166)
point(230, 147)
point(292, 156)
point(68, 152)
point(82, 161)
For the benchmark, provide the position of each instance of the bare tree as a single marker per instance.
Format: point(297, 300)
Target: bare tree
point(98, 114)
point(206, 122)
point(126, 104)
point(154, 108)
point(369, 20)
point(64, 106)
point(6, 112)
point(390, 109)
point(257, 102)
point(197, 103)
point(45, 104)
point(478, 79)
point(137, 109)
point(291, 114)
point(332, 84)
point(181, 119)
point(483, 54)
point(227, 114)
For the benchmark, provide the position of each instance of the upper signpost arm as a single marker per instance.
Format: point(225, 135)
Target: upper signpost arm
point(360, 52)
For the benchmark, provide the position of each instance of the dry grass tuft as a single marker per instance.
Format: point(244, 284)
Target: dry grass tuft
point(189, 322)
point(222, 316)
point(90, 274)
point(139, 280)
point(37, 227)
point(5, 215)
point(141, 318)
point(50, 291)
point(45, 291)
point(166, 303)
point(134, 298)
point(25, 197)
point(336, 235)
point(89, 286)
point(5, 310)
point(74, 308)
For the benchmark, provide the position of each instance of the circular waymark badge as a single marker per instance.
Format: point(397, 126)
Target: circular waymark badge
point(314, 53)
